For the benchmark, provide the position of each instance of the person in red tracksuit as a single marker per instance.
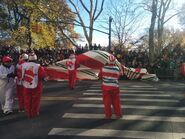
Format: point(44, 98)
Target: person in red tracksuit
point(72, 65)
point(110, 88)
point(20, 92)
point(32, 76)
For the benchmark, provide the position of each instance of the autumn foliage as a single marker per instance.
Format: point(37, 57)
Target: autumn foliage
point(39, 23)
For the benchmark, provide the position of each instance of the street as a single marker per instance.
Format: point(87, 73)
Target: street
point(153, 110)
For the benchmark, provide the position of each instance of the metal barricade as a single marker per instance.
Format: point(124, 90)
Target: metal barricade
point(171, 74)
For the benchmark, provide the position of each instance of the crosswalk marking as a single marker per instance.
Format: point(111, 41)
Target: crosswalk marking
point(51, 98)
point(129, 93)
point(132, 107)
point(126, 117)
point(122, 94)
point(128, 88)
point(141, 86)
point(123, 90)
point(134, 99)
point(134, 86)
point(115, 133)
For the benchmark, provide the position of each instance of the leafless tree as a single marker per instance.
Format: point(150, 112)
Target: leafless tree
point(151, 30)
point(126, 19)
point(163, 7)
point(93, 8)
point(159, 9)
point(182, 15)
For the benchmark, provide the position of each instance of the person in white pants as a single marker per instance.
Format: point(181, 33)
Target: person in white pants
point(7, 84)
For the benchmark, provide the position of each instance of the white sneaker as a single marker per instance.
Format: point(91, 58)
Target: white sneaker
point(8, 112)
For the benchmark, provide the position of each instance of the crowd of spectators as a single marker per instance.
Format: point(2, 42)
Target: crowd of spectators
point(167, 64)
point(46, 55)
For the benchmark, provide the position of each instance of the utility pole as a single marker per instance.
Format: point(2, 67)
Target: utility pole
point(110, 20)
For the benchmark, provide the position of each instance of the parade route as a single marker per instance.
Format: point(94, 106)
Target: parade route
point(150, 110)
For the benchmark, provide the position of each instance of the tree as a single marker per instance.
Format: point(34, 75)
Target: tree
point(173, 38)
point(44, 35)
point(163, 7)
point(19, 15)
point(159, 9)
point(58, 14)
point(151, 30)
point(182, 15)
point(93, 11)
point(126, 16)
point(3, 21)
point(28, 14)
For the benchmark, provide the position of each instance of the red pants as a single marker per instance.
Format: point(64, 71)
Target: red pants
point(20, 96)
point(32, 101)
point(72, 78)
point(112, 98)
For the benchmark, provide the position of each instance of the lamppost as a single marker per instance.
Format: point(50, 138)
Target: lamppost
point(110, 20)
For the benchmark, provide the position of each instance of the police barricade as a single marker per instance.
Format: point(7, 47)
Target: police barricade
point(165, 73)
point(171, 74)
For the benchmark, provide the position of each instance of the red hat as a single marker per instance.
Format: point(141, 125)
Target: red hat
point(112, 59)
point(6, 59)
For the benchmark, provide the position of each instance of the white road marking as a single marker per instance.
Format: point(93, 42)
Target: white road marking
point(125, 117)
point(134, 99)
point(115, 133)
point(132, 107)
point(129, 88)
point(122, 94)
point(134, 86)
point(121, 90)
point(138, 86)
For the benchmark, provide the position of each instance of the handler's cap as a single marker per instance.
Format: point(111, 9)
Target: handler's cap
point(112, 59)
point(6, 59)
point(24, 56)
point(32, 57)
point(72, 56)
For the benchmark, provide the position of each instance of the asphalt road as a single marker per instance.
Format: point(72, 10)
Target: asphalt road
point(150, 110)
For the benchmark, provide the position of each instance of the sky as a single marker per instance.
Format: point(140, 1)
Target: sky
point(102, 39)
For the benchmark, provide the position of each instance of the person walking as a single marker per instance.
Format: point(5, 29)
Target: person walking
point(7, 84)
point(20, 90)
point(32, 76)
point(110, 88)
point(72, 65)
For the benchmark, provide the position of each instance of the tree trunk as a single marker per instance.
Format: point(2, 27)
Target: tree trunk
point(151, 31)
point(29, 33)
point(160, 39)
point(164, 6)
point(93, 12)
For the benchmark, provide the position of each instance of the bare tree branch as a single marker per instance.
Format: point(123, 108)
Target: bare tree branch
point(172, 17)
point(125, 19)
point(95, 9)
point(101, 9)
point(92, 17)
point(88, 11)
point(80, 18)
